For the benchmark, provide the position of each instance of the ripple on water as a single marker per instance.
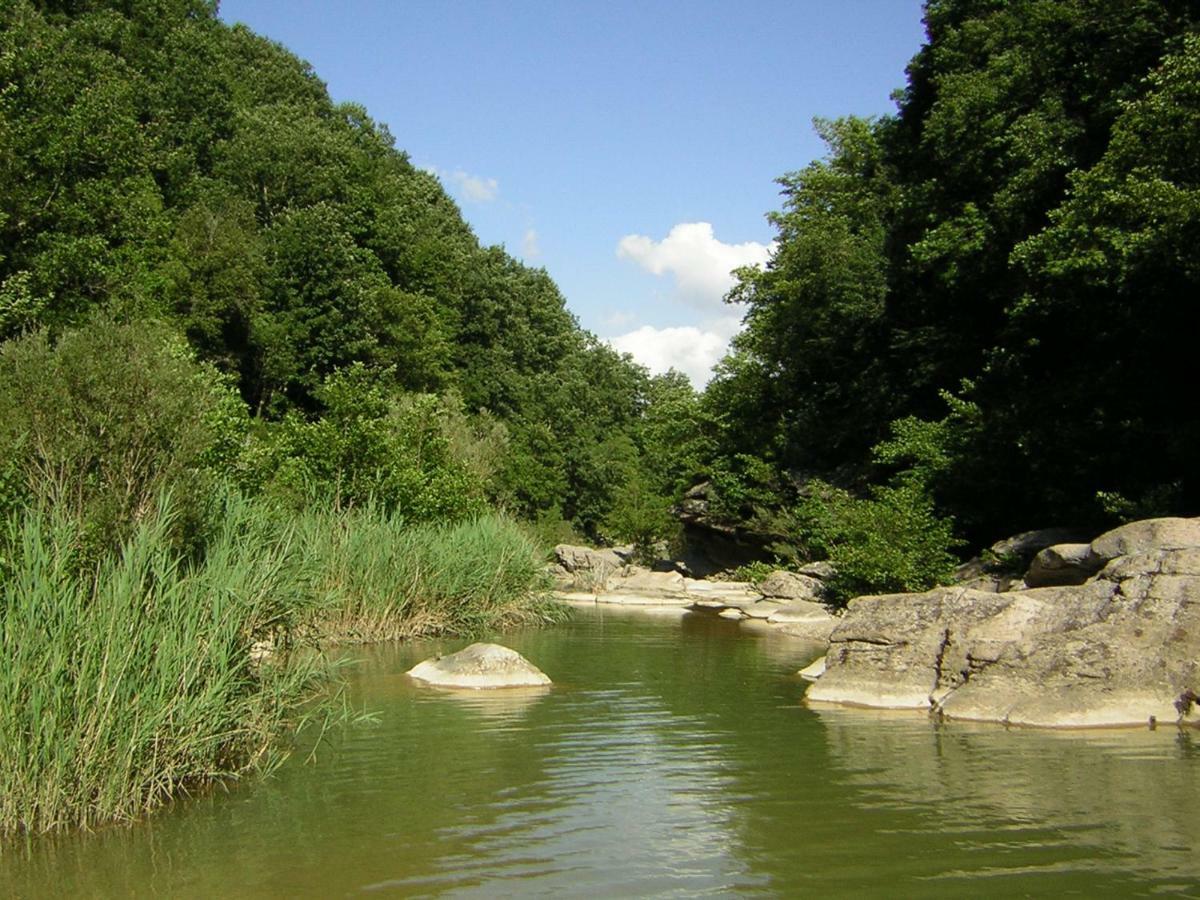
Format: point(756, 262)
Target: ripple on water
point(670, 758)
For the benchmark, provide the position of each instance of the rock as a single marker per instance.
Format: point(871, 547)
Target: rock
point(731, 612)
point(710, 545)
point(804, 619)
point(820, 569)
point(813, 670)
point(1015, 552)
point(1148, 534)
point(1062, 564)
point(790, 586)
point(992, 583)
point(800, 611)
point(761, 610)
point(480, 666)
point(643, 581)
point(586, 567)
point(1115, 651)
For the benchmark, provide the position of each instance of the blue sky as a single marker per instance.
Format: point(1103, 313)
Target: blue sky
point(630, 148)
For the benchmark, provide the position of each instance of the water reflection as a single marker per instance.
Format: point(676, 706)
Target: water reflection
point(1029, 802)
point(670, 758)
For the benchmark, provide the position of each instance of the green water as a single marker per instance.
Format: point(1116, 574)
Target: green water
point(671, 758)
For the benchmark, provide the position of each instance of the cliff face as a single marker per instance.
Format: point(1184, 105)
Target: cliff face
point(1121, 648)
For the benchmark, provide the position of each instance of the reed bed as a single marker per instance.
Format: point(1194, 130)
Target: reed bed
point(382, 580)
point(127, 683)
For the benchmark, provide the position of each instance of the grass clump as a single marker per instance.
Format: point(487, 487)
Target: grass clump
point(132, 681)
point(379, 579)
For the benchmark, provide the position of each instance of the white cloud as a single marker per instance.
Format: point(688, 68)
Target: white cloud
point(690, 349)
point(700, 264)
point(529, 244)
point(473, 188)
point(619, 318)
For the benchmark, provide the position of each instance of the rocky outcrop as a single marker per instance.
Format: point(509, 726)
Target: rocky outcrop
point(480, 666)
point(1123, 648)
point(781, 585)
point(1063, 564)
point(711, 545)
point(584, 568)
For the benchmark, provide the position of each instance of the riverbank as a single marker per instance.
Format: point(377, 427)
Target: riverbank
point(789, 602)
point(150, 676)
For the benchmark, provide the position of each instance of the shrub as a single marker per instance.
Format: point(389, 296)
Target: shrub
point(415, 455)
point(101, 422)
point(891, 541)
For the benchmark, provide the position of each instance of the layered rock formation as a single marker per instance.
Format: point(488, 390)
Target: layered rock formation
point(1121, 648)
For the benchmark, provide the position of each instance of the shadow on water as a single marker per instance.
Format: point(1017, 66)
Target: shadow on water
point(672, 757)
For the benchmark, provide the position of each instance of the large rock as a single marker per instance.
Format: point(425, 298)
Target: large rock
point(480, 666)
point(1019, 549)
point(1148, 534)
point(583, 567)
point(1121, 649)
point(1063, 564)
point(637, 586)
point(781, 585)
point(804, 619)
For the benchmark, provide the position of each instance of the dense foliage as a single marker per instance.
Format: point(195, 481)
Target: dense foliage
point(159, 165)
point(990, 294)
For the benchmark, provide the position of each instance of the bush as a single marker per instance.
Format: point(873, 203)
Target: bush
point(641, 517)
point(100, 423)
point(415, 455)
point(892, 541)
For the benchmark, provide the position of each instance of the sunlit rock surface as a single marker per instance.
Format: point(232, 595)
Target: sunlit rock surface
point(1121, 649)
point(480, 666)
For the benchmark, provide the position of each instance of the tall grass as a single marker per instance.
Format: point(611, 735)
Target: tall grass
point(127, 683)
point(382, 580)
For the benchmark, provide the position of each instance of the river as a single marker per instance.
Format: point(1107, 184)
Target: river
point(672, 757)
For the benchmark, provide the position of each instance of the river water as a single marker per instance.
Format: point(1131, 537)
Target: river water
point(672, 757)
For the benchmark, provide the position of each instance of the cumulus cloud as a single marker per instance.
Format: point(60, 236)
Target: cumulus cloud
point(529, 244)
point(691, 349)
point(474, 188)
point(700, 264)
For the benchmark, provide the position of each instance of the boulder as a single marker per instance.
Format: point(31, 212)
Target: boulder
point(583, 567)
point(1062, 564)
point(1148, 534)
point(800, 611)
point(480, 666)
point(790, 586)
point(1121, 649)
point(821, 569)
point(804, 619)
point(1019, 549)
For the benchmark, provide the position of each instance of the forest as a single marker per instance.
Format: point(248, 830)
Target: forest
point(259, 379)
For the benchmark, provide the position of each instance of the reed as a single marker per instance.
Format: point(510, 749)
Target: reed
point(131, 681)
point(379, 579)
point(128, 683)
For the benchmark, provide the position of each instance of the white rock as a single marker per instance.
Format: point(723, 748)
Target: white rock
point(480, 666)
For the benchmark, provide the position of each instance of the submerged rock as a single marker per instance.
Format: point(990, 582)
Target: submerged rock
point(480, 666)
point(1121, 649)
